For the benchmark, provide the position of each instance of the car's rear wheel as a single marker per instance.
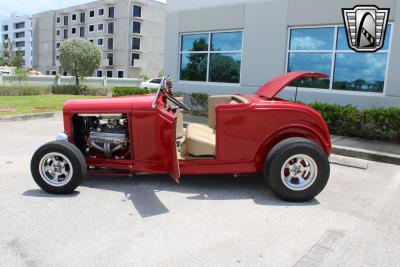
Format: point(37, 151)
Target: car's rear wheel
point(58, 167)
point(297, 169)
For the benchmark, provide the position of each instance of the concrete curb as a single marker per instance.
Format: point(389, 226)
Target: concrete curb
point(25, 117)
point(366, 154)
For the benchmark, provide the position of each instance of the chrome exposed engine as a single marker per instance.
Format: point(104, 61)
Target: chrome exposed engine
point(108, 134)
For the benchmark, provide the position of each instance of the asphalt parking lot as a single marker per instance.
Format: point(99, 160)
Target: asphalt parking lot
point(205, 221)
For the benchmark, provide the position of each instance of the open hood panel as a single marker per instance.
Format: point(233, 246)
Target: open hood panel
point(273, 87)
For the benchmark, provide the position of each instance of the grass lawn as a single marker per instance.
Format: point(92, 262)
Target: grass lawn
point(35, 104)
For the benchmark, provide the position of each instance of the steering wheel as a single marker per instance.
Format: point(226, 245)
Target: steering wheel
point(177, 102)
point(163, 86)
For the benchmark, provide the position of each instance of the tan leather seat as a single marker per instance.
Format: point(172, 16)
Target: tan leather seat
point(200, 140)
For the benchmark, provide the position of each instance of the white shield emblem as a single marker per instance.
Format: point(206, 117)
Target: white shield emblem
point(365, 27)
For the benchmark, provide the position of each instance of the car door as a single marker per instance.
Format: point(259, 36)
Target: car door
point(167, 145)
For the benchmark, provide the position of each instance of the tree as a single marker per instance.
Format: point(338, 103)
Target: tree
point(21, 74)
point(195, 68)
point(143, 77)
point(79, 57)
point(224, 68)
point(161, 73)
point(17, 58)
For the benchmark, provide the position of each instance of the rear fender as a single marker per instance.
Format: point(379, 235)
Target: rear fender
point(293, 130)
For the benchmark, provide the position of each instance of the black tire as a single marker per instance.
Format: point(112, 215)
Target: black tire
point(282, 152)
point(69, 151)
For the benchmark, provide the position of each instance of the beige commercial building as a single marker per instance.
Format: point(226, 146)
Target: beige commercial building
point(129, 33)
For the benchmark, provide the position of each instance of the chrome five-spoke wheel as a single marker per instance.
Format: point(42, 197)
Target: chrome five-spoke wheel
point(299, 172)
point(56, 169)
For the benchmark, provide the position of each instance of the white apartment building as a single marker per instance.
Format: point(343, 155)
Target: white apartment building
point(16, 34)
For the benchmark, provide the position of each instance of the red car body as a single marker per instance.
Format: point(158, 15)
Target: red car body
point(245, 132)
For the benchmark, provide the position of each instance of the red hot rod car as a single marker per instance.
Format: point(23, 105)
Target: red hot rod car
point(287, 142)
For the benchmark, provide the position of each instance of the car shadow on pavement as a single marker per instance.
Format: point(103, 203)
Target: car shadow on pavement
point(141, 190)
point(41, 193)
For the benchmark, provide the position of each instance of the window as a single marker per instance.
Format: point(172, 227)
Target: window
point(100, 12)
point(5, 37)
point(19, 25)
point(58, 32)
point(73, 30)
point(110, 59)
point(100, 27)
point(109, 74)
point(91, 14)
point(211, 57)
point(111, 12)
point(5, 28)
point(137, 11)
point(135, 43)
point(65, 20)
point(100, 41)
point(99, 73)
point(65, 33)
point(73, 17)
point(20, 44)
point(58, 20)
point(91, 40)
point(110, 43)
point(57, 57)
point(136, 27)
point(110, 28)
point(325, 49)
point(91, 28)
point(19, 34)
point(135, 56)
point(82, 31)
point(82, 17)
point(120, 74)
point(58, 44)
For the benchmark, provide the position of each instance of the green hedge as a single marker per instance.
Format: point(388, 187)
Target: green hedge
point(78, 90)
point(375, 123)
point(126, 91)
point(22, 90)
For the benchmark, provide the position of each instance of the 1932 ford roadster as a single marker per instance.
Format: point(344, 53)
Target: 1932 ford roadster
point(287, 142)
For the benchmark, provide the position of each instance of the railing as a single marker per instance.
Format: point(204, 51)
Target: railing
point(64, 80)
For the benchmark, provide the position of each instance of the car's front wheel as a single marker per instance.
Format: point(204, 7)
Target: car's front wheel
point(297, 169)
point(58, 167)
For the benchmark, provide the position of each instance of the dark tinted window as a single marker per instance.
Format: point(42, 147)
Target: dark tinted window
point(82, 31)
point(360, 71)
point(82, 17)
point(225, 67)
point(312, 39)
point(135, 43)
point(110, 43)
point(136, 27)
point(110, 27)
point(194, 67)
point(137, 11)
point(226, 41)
point(194, 42)
point(111, 12)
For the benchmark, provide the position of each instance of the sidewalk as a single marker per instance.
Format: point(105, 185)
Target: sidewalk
point(346, 146)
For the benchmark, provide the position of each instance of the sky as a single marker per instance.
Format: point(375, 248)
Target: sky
point(29, 7)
